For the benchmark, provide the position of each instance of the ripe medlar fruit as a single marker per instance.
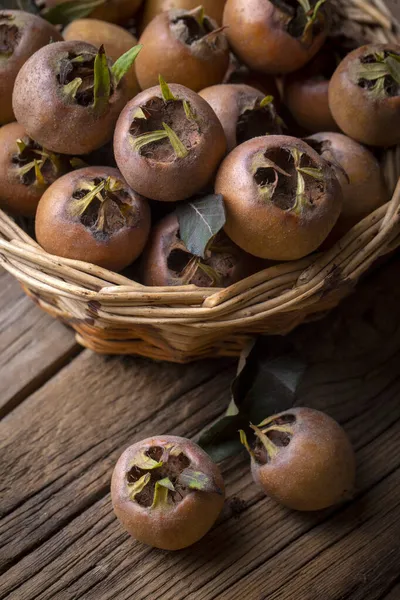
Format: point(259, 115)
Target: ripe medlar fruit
point(68, 96)
point(281, 198)
point(167, 261)
point(303, 459)
point(116, 41)
point(305, 92)
point(92, 215)
point(186, 47)
point(168, 143)
point(113, 11)
point(244, 112)
point(359, 174)
point(21, 34)
point(167, 492)
point(364, 94)
point(152, 8)
point(26, 170)
point(275, 36)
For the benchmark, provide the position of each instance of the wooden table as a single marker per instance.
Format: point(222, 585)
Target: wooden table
point(69, 414)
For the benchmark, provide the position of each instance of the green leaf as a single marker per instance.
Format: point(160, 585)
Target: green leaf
point(66, 12)
point(221, 440)
point(394, 68)
point(144, 139)
point(124, 63)
point(199, 221)
point(165, 91)
point(102, 82)
point(196, 480)
point(138, 486)
point(179, 148)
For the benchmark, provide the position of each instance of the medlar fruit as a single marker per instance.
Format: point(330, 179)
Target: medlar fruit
point(186, 47)
point(68, 96)
point(281, 198)
point(167, 492)
point(167, 261)
point(92, 215)
point(275, 36)
point(116, 41)
point(168, 143)
point(359, 174)
point(243, 111)
point(26, 170)
point(152, 8)
point(364, 94)
point(303, 459)
point(21, 34)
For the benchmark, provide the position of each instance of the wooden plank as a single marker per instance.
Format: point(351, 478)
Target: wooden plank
point(33, 346)
point(58, 534)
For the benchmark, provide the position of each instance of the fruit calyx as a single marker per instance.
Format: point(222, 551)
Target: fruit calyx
point(88, 80)
point(164, 129)
point(193, 27)
point(160, 477)
point(303, 17)
point(257, 119)
point(34, 164)
point(272, 434)
point(103, 205)
point(379, 73)
point(288, 178)
point(9, 35)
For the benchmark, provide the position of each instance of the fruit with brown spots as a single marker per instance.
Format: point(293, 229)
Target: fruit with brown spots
point(167, 261)
point(167, 492)
point(276, 36)
point(92, 215)
point(152, 8)
point(68, 96)
point(244, 112)
point(281, 198)
point(186, 47)
point(364, 94)
point(168, 143)
point(359, 174)
point(26, 170)
point(303, 459)
point(21, 34)
point(116, 41)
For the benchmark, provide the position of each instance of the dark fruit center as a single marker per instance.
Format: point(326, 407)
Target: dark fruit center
point(172, 113)
point(171, 469)
point(287, 419)
point(300, 22)
point(276, 437)
point(25, 158)
point(378, 73)
point(9, 37)
point(257, 122)
point(189, 30)
point(80, 66)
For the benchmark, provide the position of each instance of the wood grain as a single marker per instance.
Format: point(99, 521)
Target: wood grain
point(60, 540)
point(33, 346)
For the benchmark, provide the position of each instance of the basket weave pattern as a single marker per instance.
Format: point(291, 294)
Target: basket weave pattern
point(112, 314)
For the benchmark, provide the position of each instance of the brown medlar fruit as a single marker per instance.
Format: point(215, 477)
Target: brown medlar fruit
point(359, 174)
point(244, 112)
point(213, 8)
point(168, 143)
point(281, 198)
point(364, 94)
point(113, 11)
point(167, 492)
point(186, 47)
point(275, 36)
point(116, 41)
point(68, 96)
point(26, 170)
point(167, 261)
point(21, 34)
point(92, 215)
point(303, 459)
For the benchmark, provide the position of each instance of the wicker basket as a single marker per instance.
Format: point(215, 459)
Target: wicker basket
point(114, 315)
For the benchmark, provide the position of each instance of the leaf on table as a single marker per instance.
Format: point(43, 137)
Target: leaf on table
point(199, 221)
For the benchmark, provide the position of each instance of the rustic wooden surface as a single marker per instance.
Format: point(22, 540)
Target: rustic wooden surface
point(70, 414)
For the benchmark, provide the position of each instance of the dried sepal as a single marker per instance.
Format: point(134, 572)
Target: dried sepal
point(266, 101)
point(196, 480)
point(78, 207)
point(138, 486)
point(244, 441)
point(38, 173)
point(177, 145)
point(312, 172)
point(124, 63)
point(167, 95)
point(190, 114)
point(20, 145)
point(269, 446)
point(145, 139)
point(146, 463)
point(102, 82)
point(71, 88)
point(161, 490)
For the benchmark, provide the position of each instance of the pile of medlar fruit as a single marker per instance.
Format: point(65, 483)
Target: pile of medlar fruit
point(115, 116)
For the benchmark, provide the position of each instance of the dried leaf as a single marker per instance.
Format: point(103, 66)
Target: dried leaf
point(199, 221)
point(124, 63)
point(66, 12)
